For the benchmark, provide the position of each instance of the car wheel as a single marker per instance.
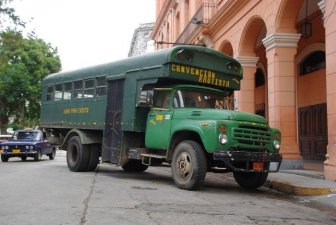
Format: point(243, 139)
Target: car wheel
point(4, 158)
point(77, 155)
point(38, 155)
point(52, 154)
point(134, 166)
point(24, 158)
point(250, 180)
point(188, 165)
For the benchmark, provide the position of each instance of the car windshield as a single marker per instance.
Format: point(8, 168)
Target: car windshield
point(27, 135)
point(197, 99)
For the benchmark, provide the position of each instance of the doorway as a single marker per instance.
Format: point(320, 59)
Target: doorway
point(313, 132)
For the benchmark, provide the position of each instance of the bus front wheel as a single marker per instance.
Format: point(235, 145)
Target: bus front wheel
point(77, 155)
point(189, 165)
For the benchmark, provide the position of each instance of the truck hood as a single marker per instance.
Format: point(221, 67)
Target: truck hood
point(218, 114)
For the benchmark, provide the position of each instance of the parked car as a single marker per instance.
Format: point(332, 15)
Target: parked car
point(5, 137)
point(27, 143)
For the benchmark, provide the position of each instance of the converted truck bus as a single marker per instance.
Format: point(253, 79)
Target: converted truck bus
point(170, 106)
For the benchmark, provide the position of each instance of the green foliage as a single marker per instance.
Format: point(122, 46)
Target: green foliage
point(24, 62)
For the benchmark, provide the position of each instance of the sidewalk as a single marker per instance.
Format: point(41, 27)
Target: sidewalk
point(309, 185)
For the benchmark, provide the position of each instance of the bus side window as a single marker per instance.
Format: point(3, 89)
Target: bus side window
point(58, 92)
point(162, 99)
point(100, 86)
point(89, 88)
point(50, 93)
point(67, 95)
point(78, 89)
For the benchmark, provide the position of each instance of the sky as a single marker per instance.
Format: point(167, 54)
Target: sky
point(86, 32)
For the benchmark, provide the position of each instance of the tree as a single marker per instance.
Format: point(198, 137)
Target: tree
point(8, 16)
point(24, 62)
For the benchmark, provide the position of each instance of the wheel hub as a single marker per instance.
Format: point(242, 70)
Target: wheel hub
point(184, 165)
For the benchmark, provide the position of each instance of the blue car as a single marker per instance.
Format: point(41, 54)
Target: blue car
point(27, 143)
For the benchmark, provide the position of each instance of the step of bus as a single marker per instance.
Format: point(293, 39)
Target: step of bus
point(135, 153)
point(152, 159)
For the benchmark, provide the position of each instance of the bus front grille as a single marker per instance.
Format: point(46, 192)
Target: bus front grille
point(253, 136)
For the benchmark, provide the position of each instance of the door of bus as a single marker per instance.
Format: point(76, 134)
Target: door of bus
point(112, 132)
point(159, 121)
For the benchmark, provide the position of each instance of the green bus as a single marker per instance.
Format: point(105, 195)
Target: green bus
point(170, 106)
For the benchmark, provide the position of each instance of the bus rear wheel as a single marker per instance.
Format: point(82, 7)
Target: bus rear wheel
point(93, 158)
point(189, 165)
point(77, 155)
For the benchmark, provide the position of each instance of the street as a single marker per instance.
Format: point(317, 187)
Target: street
point(46, 192)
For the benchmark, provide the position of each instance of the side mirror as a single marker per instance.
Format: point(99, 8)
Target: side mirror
point(146, 99)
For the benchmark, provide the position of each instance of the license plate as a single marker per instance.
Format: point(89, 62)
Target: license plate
point(258, 166)
point(16, 151)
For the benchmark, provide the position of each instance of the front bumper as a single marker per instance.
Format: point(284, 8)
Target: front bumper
point(244, 161)
point(19, 154)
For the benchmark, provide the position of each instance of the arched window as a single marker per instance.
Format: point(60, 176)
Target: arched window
point(313, 62)
point(259, 78)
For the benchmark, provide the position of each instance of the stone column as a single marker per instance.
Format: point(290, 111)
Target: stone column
point(281, 49)
point(330, 34)
point(245, 97)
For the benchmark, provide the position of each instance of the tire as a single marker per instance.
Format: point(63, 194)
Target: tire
point(4, 158)
point(24, 158)
point(38, 155)
point(93, 158)
point(251, 180)
point(77, 155)
point(52, 154)
point(188, 165)
point(134, 166)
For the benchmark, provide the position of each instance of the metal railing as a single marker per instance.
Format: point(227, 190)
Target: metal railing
point(202, 16)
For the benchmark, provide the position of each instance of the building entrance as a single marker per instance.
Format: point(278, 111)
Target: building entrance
point(313, 132)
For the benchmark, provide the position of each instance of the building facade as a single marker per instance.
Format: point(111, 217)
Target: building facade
point(288, 53)
point(142, 41)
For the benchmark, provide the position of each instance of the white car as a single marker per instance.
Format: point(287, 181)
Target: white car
point(5, 137)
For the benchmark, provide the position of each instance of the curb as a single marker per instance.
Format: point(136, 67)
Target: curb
point(291, 189)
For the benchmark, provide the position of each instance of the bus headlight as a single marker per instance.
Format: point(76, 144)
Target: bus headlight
point(223, 139)
point(276, 144)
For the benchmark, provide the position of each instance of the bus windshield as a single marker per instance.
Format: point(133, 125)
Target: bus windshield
point(197, 99)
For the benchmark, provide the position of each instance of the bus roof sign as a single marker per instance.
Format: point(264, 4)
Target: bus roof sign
point(206, 67)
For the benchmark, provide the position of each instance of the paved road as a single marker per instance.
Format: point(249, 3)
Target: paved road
point(46, 192)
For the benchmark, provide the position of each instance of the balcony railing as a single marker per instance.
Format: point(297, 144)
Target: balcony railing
point(202, 16)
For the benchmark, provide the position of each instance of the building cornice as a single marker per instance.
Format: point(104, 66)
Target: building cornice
point(248, 61)
point(289, 40)
point(226, 13)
